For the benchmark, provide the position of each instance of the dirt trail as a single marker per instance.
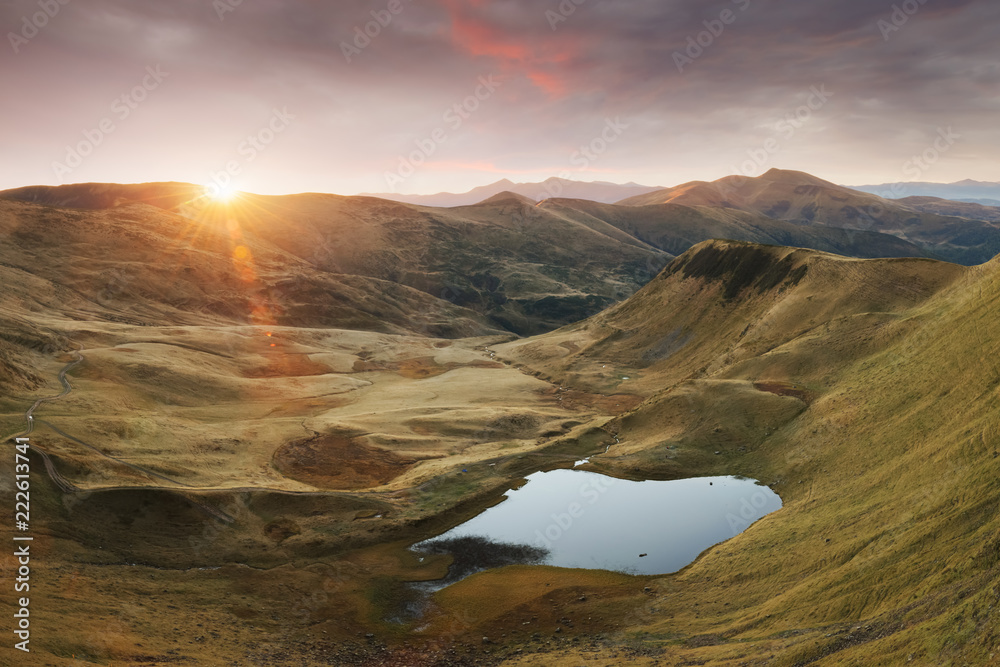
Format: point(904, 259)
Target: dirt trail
point(61, 482)
point(29, 415)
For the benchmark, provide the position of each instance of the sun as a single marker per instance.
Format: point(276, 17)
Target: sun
point(221, 194)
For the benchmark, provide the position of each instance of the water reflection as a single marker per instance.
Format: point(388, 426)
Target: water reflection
point(587, 520)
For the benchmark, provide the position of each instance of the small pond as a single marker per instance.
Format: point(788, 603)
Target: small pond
point(581, 519)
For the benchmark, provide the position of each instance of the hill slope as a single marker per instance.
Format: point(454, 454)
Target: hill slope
point(139, 264)
point(553, 187)
point(967, 190)
point(274, 476)
point(806, 200)
point(675, 228)
point(525, 267)
point(524, 277)
point(866, 393)
point(960, 209)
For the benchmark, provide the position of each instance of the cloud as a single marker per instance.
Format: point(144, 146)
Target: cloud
point(607, 59)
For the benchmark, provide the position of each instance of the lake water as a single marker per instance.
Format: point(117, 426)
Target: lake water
point(587, 520)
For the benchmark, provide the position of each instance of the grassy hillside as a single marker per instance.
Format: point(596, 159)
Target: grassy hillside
point(525, 274)
point(139, 264)
point(871, 409)
point(240, 466)
point(961, 233)
point(675, 228)
point(525, 268)
point(960, 209)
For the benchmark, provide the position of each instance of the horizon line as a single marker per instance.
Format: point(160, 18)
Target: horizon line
point(631, 183)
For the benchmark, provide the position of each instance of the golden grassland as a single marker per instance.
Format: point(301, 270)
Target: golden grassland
point(887, 546)
point(864, 392)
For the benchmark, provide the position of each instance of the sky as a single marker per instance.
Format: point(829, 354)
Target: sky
point(423, 96)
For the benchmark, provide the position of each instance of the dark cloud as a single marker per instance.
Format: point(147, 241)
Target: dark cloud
point(561, 75)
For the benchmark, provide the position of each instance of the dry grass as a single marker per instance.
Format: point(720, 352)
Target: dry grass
point(865, 394)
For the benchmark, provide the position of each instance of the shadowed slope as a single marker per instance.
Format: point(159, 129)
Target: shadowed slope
point(524, 275)
point(882, 441)
point(140, 264)
point(806, 200)
point(675, 228)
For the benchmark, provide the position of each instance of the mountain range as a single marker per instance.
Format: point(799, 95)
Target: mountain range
point(977, 192)
point(254, 408)
point(325, 260)
point(811, 202)
point(598, 191)
point(507, 263)
point(962, 231)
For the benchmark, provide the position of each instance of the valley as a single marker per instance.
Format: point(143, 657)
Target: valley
point(267, 404)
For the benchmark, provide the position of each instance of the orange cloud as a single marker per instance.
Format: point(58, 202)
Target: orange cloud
point(548, 82)
point(480, 38)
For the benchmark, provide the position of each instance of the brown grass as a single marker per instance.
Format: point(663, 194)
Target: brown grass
point(865, 394)
point(339, 462)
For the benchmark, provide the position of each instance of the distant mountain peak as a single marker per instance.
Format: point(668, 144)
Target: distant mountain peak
point(599, 191)
point(719, 192)
point(965, 190)
point(507, 196)
point(791, 176)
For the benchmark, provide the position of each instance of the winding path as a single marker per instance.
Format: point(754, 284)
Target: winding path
point(64, 485)
point(67, 388)
point(29, 417)
point(30, 414)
